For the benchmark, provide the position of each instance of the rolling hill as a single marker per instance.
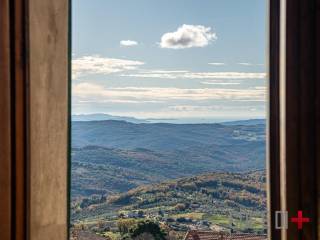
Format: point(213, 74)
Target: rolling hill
point(183, 176)
point(162, 136)
point(115, 156)
point(207, 199)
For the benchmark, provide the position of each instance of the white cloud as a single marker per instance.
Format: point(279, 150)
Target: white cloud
point(101, 65)
point(250, 64)
point(128, 43)
point(245, 63)
point(194, 108)
point(202, 115)
point(217, 63)
point(94, 92)
point(95, 64)
point(163, 71)
point(205, 108)
point(197, 75)
point(116, 101)
point(188, 36)
point(261, 88)
point(149, 102)
point(220, 83)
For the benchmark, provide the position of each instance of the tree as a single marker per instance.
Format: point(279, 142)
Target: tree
point(180, 207)
point(124, 225)
point(147, 227)
point(140, 214)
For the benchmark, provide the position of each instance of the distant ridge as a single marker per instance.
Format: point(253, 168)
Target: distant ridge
point(119, 155)
point(245, 122)
point(104, 117)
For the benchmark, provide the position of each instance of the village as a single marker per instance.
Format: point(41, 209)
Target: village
point(177, 225)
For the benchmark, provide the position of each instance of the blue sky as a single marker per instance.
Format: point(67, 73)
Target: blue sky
point(181, 59)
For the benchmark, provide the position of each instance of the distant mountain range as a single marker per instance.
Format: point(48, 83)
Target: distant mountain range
point(246, 122)
point(115, 156)
point(104, 117)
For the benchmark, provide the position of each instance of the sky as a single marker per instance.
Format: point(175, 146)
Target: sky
point(169, 59)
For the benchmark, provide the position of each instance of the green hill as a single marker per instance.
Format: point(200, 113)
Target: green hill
point(239, 191)
point(208, 199)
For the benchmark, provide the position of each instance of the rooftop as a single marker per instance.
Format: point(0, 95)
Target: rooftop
point(210, 235)
point(85, 235)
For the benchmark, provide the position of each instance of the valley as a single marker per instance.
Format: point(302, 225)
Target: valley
point(182, 176)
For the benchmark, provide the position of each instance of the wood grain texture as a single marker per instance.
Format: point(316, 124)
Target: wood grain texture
point(317, 105)
point(5, 126)
point(48, 119)
point(19, 78)
point(301, 94)
point(273, 138)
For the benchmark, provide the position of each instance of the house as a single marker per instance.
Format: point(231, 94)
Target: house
point(85, 235)
point(211, 235)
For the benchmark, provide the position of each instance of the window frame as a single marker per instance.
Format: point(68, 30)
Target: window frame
point(35, 116)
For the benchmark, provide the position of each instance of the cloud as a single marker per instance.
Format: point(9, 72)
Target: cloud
point(163, 71)
point(217, 63)
point(261, 88)
point(194, 108)
point(188, 36)
point(101, 65)
point(205, 108)
point(94, 92)
point(220, 83)
point(196, 75)
point(249, 100)
point(116, 101)
point(205, 116)
point(149, 102)
point(96, 64)
point(250, 64)
point(128, 43)
point(245, 63)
